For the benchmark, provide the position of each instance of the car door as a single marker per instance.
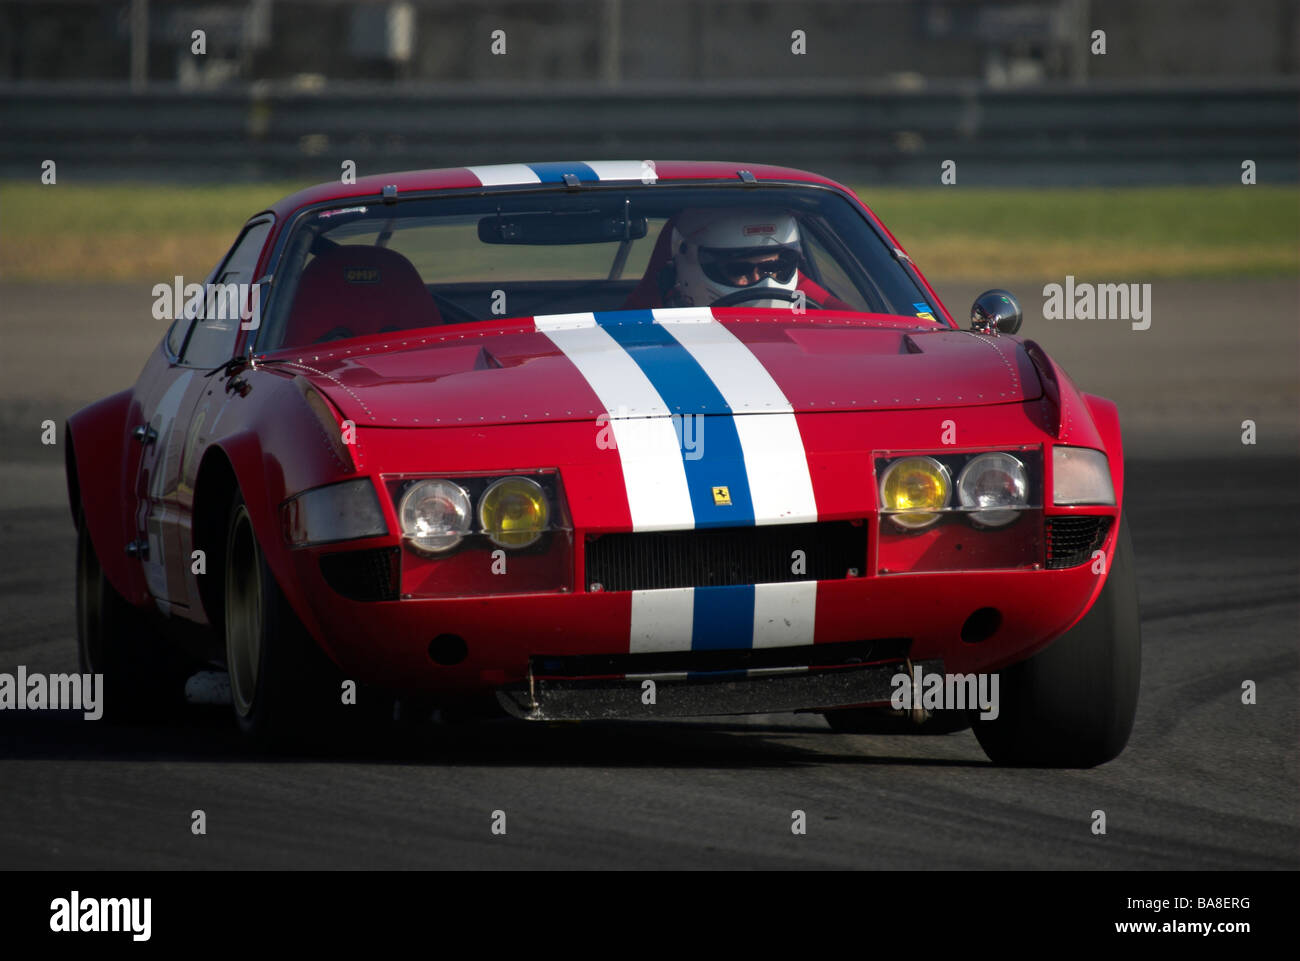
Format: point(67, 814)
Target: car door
point(202, 339)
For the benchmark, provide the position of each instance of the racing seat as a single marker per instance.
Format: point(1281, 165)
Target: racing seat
point(656, 281)
point(354, 290)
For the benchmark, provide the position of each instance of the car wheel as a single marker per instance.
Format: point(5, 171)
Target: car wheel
point(282, 686)
point(143, 680)
point(1072, 704)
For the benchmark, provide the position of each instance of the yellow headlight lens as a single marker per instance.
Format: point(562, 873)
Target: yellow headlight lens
point(513, 512)
point(913, 489)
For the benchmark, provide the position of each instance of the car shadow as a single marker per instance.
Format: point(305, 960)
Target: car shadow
point(206, 735)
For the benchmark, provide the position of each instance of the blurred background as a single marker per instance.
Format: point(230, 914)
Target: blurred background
point(1103, 139)
point(1017, 92)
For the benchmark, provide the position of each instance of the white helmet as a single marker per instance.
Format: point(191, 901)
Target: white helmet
point(718, 252)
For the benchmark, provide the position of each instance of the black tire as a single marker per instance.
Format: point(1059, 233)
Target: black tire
point(1073, 703)
point(144, 680)
point(884, 720)
point(283, 688)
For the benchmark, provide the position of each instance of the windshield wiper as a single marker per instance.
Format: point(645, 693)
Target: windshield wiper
point(236, 364)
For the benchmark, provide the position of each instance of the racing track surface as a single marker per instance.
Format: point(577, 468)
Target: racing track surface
point(1206, 782)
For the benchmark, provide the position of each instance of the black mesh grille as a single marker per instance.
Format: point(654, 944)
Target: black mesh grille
point(1071, 540)
point(725, 556)
point(362, 575)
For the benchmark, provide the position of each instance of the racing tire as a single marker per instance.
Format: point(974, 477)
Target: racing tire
point(284, 690)
point(1072, 704)
point(143, 680)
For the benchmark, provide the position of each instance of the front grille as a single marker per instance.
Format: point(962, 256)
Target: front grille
point(1071, 540)
point(369, 575)
point(838, 654)
point(726, 556)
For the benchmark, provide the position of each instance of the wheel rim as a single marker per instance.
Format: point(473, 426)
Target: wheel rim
point(243, 614)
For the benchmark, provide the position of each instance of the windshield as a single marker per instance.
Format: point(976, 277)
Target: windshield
point(361, 269)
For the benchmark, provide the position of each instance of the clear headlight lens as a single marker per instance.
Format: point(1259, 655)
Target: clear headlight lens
point(913, 490)
point(435, 515)
point(1081, 475)
point(513, 512)
point(338, 512)
point(992, 487)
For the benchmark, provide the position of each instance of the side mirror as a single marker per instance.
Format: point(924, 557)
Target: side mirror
point(996, 312)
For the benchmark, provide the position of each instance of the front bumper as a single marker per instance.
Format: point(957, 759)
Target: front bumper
point(388, 643)
point(763, 691)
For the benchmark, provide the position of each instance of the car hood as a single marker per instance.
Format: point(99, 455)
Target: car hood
point(634, 364)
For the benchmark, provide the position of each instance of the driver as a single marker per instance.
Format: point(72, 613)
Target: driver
point(721, 252)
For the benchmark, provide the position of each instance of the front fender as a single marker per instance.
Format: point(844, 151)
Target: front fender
point(277, 446)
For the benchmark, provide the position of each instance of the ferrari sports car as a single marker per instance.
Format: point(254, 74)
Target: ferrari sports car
point(578, 441)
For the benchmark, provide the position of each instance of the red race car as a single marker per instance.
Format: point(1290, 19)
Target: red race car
point(606, 440)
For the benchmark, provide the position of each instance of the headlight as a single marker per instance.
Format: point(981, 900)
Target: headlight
point(435, 515)
point(992, 487)
point(1081, 475)
point(913, 490)
point(339, 512)
point(513, 512)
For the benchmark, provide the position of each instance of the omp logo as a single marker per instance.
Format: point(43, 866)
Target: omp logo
point(760, 229)
point(55, 692)
point(945, 692)
point(361, 275)
point(75, 915)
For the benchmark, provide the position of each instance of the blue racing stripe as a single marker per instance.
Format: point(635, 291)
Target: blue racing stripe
point(723, 619)
point(687, 389)
point(553, 173)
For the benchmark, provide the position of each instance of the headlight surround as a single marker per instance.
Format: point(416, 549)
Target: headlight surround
point(337, 512)
point(914, 491)
point(1081, 475)
point(994, 488)
point(435, 516)
point(514, 512)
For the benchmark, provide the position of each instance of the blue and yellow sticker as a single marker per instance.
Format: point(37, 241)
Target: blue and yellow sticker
point(923, 310)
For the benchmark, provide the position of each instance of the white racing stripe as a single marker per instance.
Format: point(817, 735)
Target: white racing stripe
point(501, 175)
point(623, 170)
point(648, 446)
point(775, 461)
point(662, 620)
point(784, 614)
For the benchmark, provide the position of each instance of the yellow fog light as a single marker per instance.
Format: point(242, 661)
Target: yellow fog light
point(513, 512)
point(913, 490)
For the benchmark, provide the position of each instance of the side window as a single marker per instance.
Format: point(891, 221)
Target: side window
point(212, 340)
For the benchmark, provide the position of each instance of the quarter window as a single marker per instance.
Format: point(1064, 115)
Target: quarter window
point(212, 339)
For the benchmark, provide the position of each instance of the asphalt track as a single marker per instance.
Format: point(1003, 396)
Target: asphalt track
point(1206, 782)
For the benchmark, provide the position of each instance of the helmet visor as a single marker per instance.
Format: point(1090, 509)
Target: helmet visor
point(741, 267)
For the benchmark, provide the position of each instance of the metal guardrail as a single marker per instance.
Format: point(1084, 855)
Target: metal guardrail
point(1040, 136)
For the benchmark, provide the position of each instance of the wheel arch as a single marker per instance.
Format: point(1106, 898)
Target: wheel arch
point(238, 463)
